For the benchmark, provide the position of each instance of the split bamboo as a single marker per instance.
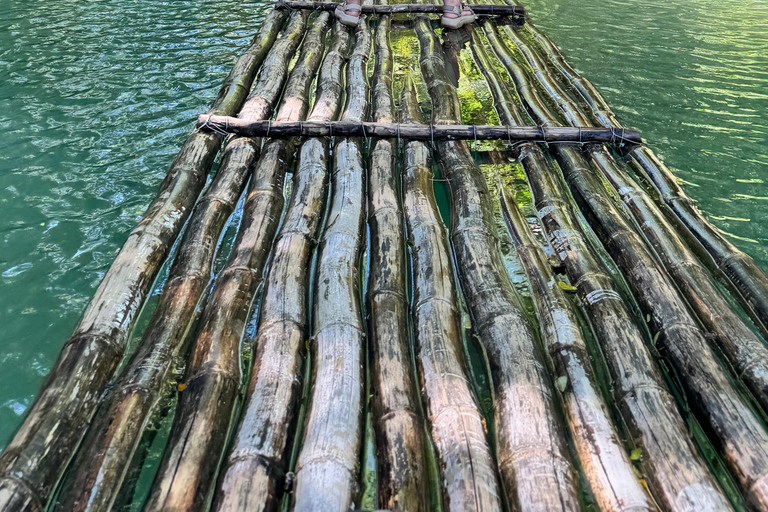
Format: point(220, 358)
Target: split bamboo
point(531, 452)
point(744, 350)
point(731, 424)
point(424, 132)
point(603, 459)
point(193, 451)
point(748, 280)
point(677, 475)
point(35, 459)
point(397, 418)
point(328, 465)
point(254, 474)
point(468, 478)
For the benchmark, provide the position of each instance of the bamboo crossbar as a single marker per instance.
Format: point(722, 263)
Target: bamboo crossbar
point(485, 10)
point(424, 132)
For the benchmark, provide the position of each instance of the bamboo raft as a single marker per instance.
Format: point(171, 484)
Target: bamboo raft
point(357, 351)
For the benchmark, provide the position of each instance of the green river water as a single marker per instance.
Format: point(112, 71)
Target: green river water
point(96, 98)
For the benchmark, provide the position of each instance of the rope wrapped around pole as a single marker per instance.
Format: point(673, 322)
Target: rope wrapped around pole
point(423, 132)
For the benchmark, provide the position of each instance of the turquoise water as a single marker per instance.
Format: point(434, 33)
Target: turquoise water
point(96, 98)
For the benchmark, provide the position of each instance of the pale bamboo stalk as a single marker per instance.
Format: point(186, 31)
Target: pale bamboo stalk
point(397, 419)
point(732, 425)
point(677, 475)
point(328, 464)
point(602, 458)
point(743, 349)
point(531, 452)
point(467, 472)
point(254, 473)
point(193, 451)
point(748, 281)
point(36, 457)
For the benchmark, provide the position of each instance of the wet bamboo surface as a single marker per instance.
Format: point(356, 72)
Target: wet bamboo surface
point(467, 471)
point(189, 466)
point(531, 452)
point(397, 417)
point(733, 426)
point(366, 291)
point(329, 462)
point(254, 474)
point(35, 459)
point(748, 280)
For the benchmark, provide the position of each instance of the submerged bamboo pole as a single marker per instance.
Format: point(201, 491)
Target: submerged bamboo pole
point(254, 474)
point(603, 459)
point(423, 132)
point(191, 459)
point(530, 447)
point(748, 280)
point(468, 478)
point(328, 464)
point(492, 10)
point(677, 475)
point(35, 459)
point(730, 422)
point(397, 417)
point(744, 350)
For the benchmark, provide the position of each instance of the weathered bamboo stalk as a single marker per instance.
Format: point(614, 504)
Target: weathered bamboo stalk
point(423, 132)
point(468, 478)
point(35, 459)
point(492, 10)
point(729, 421)
point(191, 460)
point(676, 474)
point(105, 455)
point(602, 458)
point(530, 448)
point(748, 280)
point(328, 464)
point(744, 350)
point(253, 478)
point(397, 417)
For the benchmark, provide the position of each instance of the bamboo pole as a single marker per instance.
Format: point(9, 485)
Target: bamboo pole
point(602, 457)
point(329, 461)
point(102, 462)
point(36, 457)
point(492, 10)
point(397, 419)
point(676, 474)
point(743, 349)
point(254, 473)
point(731, 423)
point(748, 280)
point(468, 478)
point(423, 132)
point(532, 457)
point(191, 459)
